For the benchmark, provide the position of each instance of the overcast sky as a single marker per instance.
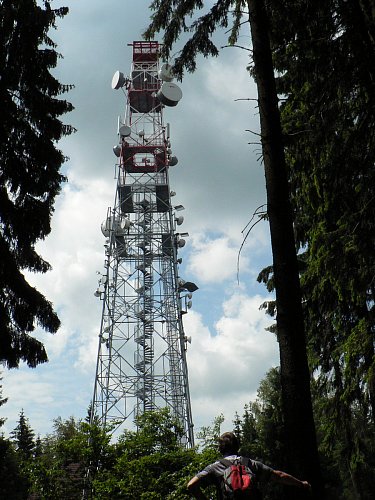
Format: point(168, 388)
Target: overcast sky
point(219, 180)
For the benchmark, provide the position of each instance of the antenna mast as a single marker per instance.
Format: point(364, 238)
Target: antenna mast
point(141, 363)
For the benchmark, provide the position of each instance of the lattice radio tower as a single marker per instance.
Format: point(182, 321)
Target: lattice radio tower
point(141, 362)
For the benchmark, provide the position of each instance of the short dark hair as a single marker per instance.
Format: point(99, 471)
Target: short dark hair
point(228, 443)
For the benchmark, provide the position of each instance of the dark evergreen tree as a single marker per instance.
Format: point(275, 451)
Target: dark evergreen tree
point(30, 175)
point(262, 432)
point(23, 445)
point(263, 424)
point(171, 17)
point(23, 438)
point(328, 116)
point(2, 402)
point(13, 484)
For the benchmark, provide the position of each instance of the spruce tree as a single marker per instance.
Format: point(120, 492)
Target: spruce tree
point(30, 175)
point(328, 118)
point(23, 437)
point(2, 402)
point(13, 484)
point(171, 16)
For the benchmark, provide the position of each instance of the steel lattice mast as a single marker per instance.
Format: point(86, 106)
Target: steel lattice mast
point(141, 362)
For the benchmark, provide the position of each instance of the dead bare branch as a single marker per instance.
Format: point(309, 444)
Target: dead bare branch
point(261, 216)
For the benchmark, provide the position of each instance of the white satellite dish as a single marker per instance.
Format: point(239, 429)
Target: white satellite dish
point(124, 131)
point(165, 72)
point(116, 224)
point(106, 227)
point(179, 220)
point(125, 223)
point(118, 80)
point(169, 94)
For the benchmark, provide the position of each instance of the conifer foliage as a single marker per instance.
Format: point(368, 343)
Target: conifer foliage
point(171, 17)
point(23, 437)
point(30, 175)
point(2, 402)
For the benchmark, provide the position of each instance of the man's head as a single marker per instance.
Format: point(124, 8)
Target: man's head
point(228, 444)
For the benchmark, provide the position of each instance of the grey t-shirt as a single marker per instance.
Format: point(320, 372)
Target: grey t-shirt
point(213, 473)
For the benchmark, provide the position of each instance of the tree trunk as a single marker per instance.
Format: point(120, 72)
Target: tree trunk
point(295, 377)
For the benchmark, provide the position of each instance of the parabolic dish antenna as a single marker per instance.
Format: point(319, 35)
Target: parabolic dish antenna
point(118, 80)
point(106, 227)
point(124, 131)
point(169, 94)
point(116, 224)
point(117, 150)
point(173, 161)
point(165, 72)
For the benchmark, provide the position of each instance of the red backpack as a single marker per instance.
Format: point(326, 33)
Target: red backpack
point(238, 481)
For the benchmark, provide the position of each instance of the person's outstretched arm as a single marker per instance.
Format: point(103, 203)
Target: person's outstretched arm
point(282, 477)
point(195, 489)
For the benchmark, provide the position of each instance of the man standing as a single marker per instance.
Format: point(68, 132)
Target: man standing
point(213, 473)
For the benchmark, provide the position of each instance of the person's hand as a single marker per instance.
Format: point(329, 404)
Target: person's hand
point(306, 486)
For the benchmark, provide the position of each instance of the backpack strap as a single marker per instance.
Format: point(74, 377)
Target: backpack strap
point(243, 461)
point(226, 462)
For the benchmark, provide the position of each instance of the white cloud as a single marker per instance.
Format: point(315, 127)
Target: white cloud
point(29, 388)
point(225, 367)
point(75, 251)
point(227, 79)
point(214, 260)
point(87, 350)
point(33, 391)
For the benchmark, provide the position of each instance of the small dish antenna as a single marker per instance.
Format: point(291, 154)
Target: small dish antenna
point(106, 227)
point(169, 94)
point(126, 223)
point(116, 224)
point(124, 131)
point(165, 73)
point(173, 161)
point(118, 80)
